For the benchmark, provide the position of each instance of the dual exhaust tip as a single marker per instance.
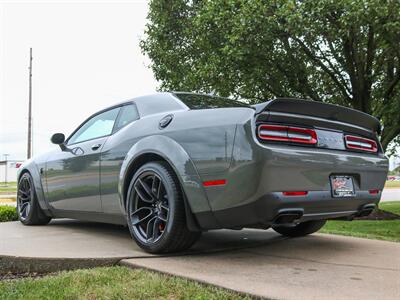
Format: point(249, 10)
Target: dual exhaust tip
point(366, 210)
point(291, 217)
point(288, 217)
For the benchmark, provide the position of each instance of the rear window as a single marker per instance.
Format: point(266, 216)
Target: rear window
point(195, 101)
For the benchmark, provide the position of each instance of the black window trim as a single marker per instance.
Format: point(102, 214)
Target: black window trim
point(92, 116)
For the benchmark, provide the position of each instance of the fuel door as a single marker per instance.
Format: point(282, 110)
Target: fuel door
point(165, 121)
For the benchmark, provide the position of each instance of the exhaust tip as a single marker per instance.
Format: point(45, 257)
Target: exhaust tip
point(366, 210)
point(288, 217)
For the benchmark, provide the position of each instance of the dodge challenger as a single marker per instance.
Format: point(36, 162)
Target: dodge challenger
point(172, 165)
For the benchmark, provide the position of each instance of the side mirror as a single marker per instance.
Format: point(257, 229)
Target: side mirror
point(59, 139)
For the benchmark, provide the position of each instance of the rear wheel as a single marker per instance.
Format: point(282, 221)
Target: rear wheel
point(301, 229)
point(28, 209)
point(156, 211)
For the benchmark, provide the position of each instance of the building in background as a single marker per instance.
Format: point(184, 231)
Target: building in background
point(8, 170)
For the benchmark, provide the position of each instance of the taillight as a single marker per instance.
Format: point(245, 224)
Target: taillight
point(295, 193)
point(287, 134)
point(215, 182)
point(359, 143)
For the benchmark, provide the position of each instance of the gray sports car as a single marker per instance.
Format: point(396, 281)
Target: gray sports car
point(172, 165)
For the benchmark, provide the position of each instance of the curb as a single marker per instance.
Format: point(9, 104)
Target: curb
point(134, 266)
point(18, 265)
point(21, 265)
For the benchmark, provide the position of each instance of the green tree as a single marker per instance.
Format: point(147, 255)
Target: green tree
point(338, 51)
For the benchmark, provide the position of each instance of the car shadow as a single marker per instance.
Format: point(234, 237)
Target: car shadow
point(255, 241)
point(92, 227)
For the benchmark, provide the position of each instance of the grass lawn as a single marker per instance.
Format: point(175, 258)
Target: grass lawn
point(110, 283)
point(10, 188)
point(392, 184)
point(381, 230)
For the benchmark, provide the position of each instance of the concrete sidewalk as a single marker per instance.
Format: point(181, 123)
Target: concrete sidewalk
point(257, 262)
point(315, 267)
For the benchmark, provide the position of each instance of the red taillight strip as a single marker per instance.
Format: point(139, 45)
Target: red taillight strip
point(295, 193)
point(287, 134)
point(214, 182)
point(359, 143)
point(374, 192)
point(273, 132)
point(302, 135)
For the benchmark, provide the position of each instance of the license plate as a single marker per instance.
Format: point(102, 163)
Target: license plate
point(342, 186)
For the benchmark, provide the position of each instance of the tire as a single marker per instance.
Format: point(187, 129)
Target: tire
point(28, 209)
point(301, 229)
point(156, 211)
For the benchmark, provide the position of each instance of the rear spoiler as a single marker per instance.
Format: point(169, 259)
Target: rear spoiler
point(320, 110)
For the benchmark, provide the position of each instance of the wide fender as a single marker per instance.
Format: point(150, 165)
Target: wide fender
point(178, 159)
point(31, 167)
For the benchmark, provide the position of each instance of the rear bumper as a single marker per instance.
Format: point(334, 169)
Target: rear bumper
point(259, 173)
point(264, 211)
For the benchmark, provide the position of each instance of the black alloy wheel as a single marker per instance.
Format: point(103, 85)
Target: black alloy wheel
point(156, 214)
point(24, 197)
point(149, 215)
point(28, 209)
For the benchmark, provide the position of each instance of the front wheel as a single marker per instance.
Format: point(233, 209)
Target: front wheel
point(301, 229)
point(28, 209)
point(156, 211)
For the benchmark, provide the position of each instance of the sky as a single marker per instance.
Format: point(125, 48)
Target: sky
point(86, 56)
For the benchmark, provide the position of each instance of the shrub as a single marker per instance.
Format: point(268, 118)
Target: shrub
point(8, 213)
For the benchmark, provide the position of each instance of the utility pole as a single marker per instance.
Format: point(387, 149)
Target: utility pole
point(5, 170)
point(29, 154)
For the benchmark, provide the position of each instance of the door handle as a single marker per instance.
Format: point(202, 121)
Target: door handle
point(96, 146)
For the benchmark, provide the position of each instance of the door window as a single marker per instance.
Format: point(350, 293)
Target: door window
point(128, 114)
point(100, 125)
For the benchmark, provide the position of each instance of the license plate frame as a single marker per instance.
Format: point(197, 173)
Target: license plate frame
point(342, 186)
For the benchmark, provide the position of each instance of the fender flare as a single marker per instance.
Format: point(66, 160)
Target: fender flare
point(31, 168)
point(168, 149)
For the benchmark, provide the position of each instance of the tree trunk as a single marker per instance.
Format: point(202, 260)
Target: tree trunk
point(388, 134)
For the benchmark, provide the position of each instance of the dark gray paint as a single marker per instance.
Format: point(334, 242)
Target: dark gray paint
point(73, 177)
point(211, 144)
